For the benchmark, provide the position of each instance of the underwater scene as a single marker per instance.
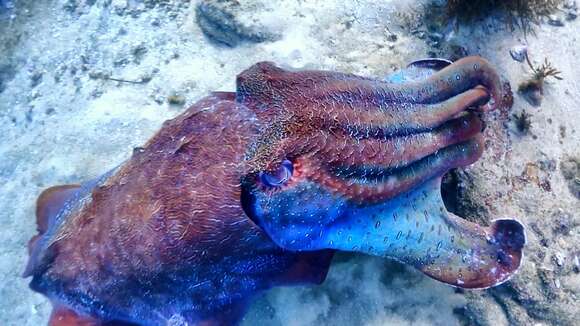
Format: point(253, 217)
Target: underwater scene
point(291, 162)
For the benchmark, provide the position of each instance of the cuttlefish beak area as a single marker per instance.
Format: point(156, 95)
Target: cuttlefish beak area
point(367, 177)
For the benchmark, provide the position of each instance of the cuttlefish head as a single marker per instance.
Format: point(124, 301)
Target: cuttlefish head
point(349, 163)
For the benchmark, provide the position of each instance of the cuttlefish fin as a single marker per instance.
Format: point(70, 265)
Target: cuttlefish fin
point(62, 316)
point(308, 268)
point(48, 205)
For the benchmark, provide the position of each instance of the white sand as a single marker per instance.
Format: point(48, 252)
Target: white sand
point(71, 127)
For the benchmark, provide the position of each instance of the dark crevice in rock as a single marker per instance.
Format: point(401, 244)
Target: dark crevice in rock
point(458, 190)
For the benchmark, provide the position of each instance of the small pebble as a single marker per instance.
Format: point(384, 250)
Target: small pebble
point(420, 34)
point(555, 21)
point(559, 259)
point(436, 37)
point(392, 37)
point(159, 99)
point(519, 52)
point(35, 78)
point(176, 99)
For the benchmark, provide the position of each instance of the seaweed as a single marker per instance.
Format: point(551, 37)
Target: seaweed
point(517, 14)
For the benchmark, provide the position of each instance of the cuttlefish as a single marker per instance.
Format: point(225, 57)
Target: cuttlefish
point(258, 188)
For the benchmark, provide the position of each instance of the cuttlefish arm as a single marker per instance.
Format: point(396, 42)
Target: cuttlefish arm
point(368, 178)
point(413, 227)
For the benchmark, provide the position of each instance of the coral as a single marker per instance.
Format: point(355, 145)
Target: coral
point(533, 88)
point(523, 122)
point(543, 71)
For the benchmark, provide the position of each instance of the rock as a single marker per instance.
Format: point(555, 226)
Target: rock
point(99, 74)
point(559, 259)
point(563, 223)
point(158, 98)
point(138, 52)
point(460, 194)
point(571, 10)
point(218, 22)
point(570, 168)
point(531, 91)
point(78, 6)
point(36, 78)
point(7, 72)
point(419, 34)
point(154, 3)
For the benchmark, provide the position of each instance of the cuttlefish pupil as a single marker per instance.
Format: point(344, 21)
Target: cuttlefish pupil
point(258, 188)
point(278, 178)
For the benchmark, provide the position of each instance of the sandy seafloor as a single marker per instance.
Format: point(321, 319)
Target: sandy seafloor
point(63, 121)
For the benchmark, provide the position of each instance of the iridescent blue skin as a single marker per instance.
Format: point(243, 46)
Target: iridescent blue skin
point(414, 228)
point(250, 190)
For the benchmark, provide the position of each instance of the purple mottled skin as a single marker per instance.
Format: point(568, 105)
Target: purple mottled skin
point(254, 189)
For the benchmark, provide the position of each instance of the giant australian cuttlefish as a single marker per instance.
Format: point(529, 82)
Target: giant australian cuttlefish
point(258, 188)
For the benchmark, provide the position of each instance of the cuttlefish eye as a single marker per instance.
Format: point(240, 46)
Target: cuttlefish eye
point(279, 177)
